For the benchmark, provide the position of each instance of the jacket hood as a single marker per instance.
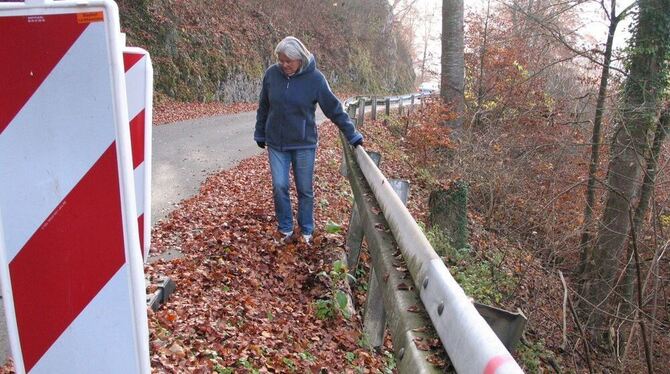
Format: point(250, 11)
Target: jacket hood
point(311, 66)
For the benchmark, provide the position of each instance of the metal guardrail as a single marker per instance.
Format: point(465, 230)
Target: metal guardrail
point(356, 105)
point(471, 344)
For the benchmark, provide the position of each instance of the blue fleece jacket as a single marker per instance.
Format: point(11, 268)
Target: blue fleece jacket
point(285, 116)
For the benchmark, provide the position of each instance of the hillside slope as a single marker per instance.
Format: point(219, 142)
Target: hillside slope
point(218, 50)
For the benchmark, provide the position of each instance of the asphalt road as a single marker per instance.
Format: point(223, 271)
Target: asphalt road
point(184, 153)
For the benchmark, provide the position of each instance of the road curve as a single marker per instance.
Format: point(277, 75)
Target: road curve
point(185, 152)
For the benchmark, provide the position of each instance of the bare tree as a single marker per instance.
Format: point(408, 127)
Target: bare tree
point(399, 10)
point(585, 241)
point(644, 86)
point(427, 36)
point(482, 54)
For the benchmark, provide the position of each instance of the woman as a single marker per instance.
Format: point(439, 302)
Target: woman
point(285, 124)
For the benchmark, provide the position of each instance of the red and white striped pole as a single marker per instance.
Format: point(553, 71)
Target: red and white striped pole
point(72, 273)
point(139, 91)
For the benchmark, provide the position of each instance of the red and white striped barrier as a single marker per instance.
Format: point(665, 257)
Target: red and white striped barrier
point(72, 273)
point(139, 91)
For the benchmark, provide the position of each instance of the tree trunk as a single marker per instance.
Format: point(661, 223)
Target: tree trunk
point(453, 61)
point(585, 242)
point(643, 86)
point(643, 204)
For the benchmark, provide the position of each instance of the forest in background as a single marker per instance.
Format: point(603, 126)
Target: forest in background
point(560, 138)
point(218, 50)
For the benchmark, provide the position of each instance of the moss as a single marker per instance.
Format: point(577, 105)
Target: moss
point(448, 210)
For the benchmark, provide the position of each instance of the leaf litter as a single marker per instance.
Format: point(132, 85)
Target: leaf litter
point(244, 302)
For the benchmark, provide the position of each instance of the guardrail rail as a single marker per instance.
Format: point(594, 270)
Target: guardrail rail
point(408, 277)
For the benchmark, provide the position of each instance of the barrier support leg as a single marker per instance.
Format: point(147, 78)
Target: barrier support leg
point(355, 234)
point(374, 320)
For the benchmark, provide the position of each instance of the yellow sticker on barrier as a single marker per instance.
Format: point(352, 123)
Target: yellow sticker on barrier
point(90, 17)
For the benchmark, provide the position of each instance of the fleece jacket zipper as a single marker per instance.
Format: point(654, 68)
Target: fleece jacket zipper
point(288, 82)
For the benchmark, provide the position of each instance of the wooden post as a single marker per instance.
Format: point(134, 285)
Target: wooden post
point(361, 111)
point(374, 319)
point(387, 103)
point(373, 110)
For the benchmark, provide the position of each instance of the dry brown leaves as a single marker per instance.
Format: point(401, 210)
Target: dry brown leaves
point(169, 111)
point(243, 302)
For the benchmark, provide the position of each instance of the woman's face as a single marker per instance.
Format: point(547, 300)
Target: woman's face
point(289, 66)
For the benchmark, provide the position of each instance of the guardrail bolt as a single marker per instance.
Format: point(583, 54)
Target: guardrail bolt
point(425, 283)
point(401, 353)
point(440, 308)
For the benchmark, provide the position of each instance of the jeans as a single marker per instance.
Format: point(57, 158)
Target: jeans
point(302, 161)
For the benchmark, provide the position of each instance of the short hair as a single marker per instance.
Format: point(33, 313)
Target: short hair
point(293, 48)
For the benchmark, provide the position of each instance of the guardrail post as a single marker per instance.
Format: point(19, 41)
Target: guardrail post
point(374, 319)
point(373, 110)
point(355, 233)
point(361, 111)
point(387, 103)
point(400, 106)
point(411, 105)
point(343, 165)
point(351, 111)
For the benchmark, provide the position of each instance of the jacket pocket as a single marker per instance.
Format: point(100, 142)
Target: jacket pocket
point(294, 132)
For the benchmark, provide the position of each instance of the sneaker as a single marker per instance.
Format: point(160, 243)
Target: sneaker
point(307, 239)
point(286, 237)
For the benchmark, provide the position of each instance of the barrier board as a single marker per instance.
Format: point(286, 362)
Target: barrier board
point(139, 91)
point(72, 273)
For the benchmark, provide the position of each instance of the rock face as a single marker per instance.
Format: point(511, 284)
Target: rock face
point(218, 50)
point(238, 88)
